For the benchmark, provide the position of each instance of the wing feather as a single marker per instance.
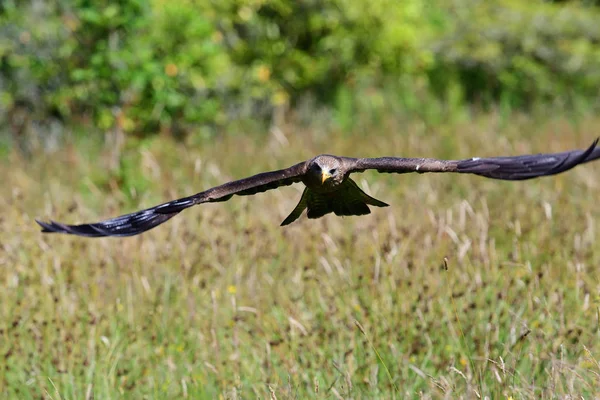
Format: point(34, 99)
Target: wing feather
point(505, 168)
point(399, 165)
point(528, 166)
point(141, 221)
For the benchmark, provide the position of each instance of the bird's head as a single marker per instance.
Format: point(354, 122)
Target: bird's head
point(325, 171)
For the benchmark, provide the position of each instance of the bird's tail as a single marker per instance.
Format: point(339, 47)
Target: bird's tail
point(349, 199)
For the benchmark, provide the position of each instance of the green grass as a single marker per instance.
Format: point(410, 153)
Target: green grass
point(221, 302)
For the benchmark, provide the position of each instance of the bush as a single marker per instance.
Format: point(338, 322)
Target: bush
point(160, 66)
point(319, 45)
point(139, 66)
point(525, 52)
point(169, 66)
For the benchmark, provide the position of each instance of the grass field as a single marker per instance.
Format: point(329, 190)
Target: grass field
point(221, 302)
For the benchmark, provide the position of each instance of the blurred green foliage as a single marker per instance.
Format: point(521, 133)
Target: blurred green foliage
point(158, 66)
point(523, 52)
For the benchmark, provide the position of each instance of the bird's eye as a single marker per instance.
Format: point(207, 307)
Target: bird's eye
point(333, 170)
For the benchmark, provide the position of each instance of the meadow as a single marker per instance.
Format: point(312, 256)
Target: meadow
point(464, 288)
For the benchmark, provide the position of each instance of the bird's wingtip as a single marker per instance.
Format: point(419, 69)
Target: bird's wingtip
point(46, 226)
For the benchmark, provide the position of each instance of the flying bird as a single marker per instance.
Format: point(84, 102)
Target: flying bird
point(329, 187)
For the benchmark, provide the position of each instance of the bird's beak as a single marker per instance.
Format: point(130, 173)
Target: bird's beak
point(324, 176)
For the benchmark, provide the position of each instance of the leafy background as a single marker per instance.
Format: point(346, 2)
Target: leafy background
point(193, 67)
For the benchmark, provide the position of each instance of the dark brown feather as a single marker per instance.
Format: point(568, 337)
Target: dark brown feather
point(141, 221)
point(505, 168)
point(528, 166)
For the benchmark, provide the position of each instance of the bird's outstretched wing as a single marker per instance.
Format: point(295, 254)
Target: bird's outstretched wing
point(141, 221)
point(507, 168)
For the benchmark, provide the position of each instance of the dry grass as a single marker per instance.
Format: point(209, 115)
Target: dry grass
point(222, 302)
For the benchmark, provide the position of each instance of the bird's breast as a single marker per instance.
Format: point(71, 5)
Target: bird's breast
point(329, 186)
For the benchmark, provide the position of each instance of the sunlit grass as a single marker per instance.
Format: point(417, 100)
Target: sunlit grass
point(221, 301)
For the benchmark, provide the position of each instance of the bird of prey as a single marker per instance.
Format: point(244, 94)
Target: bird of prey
point(329, 187)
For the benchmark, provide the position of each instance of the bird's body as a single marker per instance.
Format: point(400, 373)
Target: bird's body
point(329, 188)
